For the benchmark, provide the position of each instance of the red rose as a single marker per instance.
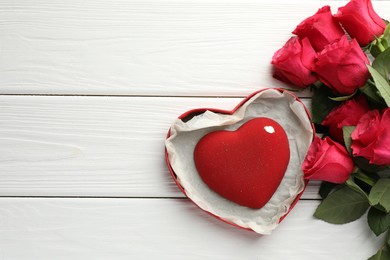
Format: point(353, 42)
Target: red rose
point(342, 66)
point(327, 160)
point(293, 63)
point(371, 137)
point(321, 29)
point(346, 114)
point(360, 20)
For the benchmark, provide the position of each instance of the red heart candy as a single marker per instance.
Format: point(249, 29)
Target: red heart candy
point(245, 166)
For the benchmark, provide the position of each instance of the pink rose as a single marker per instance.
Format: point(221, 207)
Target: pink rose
point(360, 20)
point(321, 29)
point(327, 160)
point(346, 114)
point(342, 66)
point(293, 63)
point(371, 137)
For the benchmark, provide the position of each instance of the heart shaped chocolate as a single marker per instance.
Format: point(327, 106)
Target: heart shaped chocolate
point(245, 166)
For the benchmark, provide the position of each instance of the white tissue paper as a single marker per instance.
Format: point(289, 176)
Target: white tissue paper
point(282, 107)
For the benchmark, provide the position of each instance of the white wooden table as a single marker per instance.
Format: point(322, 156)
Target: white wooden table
point(88, 92)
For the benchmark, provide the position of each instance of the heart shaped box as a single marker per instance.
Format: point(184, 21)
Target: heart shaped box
point(277, 104)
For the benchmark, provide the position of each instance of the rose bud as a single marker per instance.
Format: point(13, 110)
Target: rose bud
point(360, 21)
point(328, 161)
point(293, 63)
point(321, 29)
point(342, 66)
point(346, 114)
point(371, 137)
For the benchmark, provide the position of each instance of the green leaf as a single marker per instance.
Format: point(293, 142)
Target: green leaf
point(384, 172)
point(321, 104)
point(381, 84)
point(382, 64)
point(347, 131)
point(379, 207)
point(350, 183)
point(388, 239)
point(326, 188)
point(372, 93)
point(365, 165)
point(387, 29)
point(378, 220)
point(369, 179)
point(380, 255)
point(342, 98)
point(386, 36)
point(380, 194)
point(374, 49)
point(380, 44)
point(342, 206)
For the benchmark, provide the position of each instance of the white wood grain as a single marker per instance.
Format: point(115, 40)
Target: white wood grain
point(88, 146)
point(166, 229)
point(151, 47)
point(91, 146)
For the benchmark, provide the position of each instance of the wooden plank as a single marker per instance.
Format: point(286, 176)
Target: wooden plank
point(169, 48)
point(91, 146)
point(166, 229)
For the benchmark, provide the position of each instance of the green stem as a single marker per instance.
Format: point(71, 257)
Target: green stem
point(381, 47)
point(364, 178)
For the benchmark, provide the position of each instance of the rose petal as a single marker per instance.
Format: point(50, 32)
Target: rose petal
point(381, 154)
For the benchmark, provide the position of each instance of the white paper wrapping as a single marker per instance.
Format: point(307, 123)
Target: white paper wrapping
point(279, 106)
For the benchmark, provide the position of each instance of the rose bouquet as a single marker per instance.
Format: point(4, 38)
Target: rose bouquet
point(344, 58)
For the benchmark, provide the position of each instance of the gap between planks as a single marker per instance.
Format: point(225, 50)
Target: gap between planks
point(115, 197)
point(139, 96)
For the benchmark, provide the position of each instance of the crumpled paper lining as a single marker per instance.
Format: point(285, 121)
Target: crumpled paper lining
point(279, 106)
